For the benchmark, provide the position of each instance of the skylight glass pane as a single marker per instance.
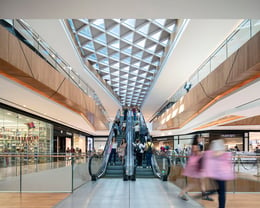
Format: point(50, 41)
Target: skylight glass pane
point(85, 32)
point(148, 59)
point(115, 45)
point(115, 56)
point(149, 77)
point(115, 30)
point(132, 84)
point(161, 21)
point(141, 81)
point(135, 72)
point(165, 42)
point(126, 69)
point(116, 80)
point(138, 86)
point(143, 75)
point(156, 63)
point(141, 43)
point(130, 22)
point(117, 20)
point(153, 71)
point(133, 79)
point(123, 82)
point(144, 29)
point(159, 53)
point(99, 23)
point(103, 51)
point(137, 64)
point(126, 60)
point(115, 73)
point(102, 38)
point(104, 61)
point(152, 48)
point(90, 46)
point(129, 37)
point(116, 65)
point(146, 67)
point(127, 50)
point(92, 57)
point(139, 54)
point(171, 27)
point(157, 35)
point(125, 76)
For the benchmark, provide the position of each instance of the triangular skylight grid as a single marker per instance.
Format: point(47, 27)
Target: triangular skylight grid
point(125, 52)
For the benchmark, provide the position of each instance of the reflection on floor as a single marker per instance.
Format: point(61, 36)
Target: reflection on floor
point(116, 193)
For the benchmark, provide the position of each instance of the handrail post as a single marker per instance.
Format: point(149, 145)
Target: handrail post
point(258, 166)
point(239, 161)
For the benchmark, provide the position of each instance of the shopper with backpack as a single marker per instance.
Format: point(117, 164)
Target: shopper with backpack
point(139, 151)
point(148, 152)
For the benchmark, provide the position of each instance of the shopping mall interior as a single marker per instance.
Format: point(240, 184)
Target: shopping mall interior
point(75, 75)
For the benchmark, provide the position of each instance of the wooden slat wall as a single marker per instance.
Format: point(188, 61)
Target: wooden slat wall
point(20, 63)
point(240, 68)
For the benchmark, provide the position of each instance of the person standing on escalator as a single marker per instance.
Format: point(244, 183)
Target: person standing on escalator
point(149, 147)
point(139, 151)
point(113, 151)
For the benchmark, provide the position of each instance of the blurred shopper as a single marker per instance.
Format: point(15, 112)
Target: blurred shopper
point(122, 150)
point(218, 166)
point(193, 170)
point(113, 150)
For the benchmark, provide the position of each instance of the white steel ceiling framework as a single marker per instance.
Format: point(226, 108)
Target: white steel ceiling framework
point(126, 53)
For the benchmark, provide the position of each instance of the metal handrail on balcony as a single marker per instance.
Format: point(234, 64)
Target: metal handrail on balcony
point(245, 31)
point(51, 56)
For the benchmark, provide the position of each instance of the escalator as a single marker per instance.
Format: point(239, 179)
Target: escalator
point(99, 165)
point(160, 164)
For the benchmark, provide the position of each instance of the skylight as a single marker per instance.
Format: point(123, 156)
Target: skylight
point(125, 52)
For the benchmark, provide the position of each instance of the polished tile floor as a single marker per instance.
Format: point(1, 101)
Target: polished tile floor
point(116, 193)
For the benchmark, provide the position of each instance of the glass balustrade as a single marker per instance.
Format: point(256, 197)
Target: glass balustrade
point(43, 173)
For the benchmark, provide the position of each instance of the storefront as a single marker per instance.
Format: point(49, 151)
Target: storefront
point(23, 134)
point(254, 141)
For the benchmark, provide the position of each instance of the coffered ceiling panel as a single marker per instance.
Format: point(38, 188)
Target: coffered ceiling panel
point(126, 53)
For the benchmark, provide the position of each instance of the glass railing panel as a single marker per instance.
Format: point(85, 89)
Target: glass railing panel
point(80, 171)
point(246, 168)
point(44, 177)
point(9, 173)
point(218, 58)
point(42, 173)
point(255, 26)
point(239, 38)
point(203, 72)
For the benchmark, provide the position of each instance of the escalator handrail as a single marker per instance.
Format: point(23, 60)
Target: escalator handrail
point(156, 169)
point(129, 164)
point(105, 154)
